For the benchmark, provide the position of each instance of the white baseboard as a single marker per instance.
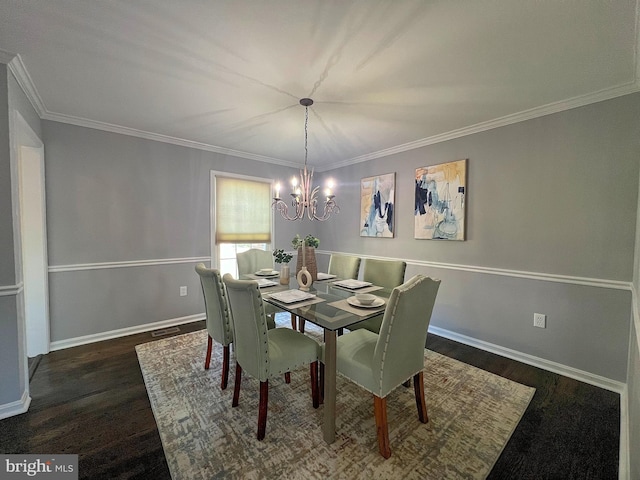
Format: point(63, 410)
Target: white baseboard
point(123, 332)
point(581, 375)
point(17, 407)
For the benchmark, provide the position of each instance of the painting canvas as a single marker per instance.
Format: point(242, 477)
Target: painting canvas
point(440, 201)
point(377, 205)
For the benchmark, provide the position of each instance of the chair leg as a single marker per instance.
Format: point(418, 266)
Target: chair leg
point(236, 388)
point(225, 367)
point(321, 383)
point(313, 367)
point(207, 359)
point(418, 387)
point(380, 412)
point(262, 411)
point(301, 322)
point(293, 322)
point(287, 377)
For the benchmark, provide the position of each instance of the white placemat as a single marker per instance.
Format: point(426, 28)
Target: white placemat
point(361, 312)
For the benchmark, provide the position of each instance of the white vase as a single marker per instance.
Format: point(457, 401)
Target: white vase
point(304, 279)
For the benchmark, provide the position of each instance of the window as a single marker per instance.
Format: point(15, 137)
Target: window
point(241, 214)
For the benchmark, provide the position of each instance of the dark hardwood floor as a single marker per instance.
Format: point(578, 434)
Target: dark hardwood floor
point(91, 400)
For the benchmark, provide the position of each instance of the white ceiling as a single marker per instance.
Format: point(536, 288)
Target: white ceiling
point(386, 76)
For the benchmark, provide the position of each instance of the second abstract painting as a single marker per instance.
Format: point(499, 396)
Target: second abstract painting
point(440, 201)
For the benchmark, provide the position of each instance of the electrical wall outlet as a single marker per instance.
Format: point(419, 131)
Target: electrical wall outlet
point(183, 291)
point(539, 320)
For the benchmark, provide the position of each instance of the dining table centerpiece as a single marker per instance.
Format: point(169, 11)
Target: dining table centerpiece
point(283, 258)
point(306, 248)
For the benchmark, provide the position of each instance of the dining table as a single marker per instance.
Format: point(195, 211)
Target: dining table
point(330, 304)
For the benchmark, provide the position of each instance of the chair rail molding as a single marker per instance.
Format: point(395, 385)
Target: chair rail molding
point(548, 277)
point(125, 264)
point(8, 290)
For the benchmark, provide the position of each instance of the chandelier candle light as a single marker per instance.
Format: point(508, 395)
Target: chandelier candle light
point(304, 198)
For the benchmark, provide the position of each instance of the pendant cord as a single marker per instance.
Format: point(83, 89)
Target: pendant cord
point(306, 122)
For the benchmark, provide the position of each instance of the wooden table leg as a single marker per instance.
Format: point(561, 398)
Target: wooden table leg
point(293, 322)
point(329, 429)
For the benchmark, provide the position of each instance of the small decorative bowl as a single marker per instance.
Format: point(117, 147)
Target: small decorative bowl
point(365, 298)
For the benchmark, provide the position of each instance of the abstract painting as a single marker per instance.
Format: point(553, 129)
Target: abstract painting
point(376, 205)
point(440, 201)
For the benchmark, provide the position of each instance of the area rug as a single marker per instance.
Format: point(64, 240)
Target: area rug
point(472, 414)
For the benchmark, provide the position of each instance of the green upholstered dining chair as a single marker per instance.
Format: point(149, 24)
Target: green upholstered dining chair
point(253, 260)
point(387, 274)
point(380, 363)
point(217, 317)
point(264, 353)
point(344, 266)
point(218, 320)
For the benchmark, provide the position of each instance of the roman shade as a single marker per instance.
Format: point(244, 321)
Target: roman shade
point(243, 211)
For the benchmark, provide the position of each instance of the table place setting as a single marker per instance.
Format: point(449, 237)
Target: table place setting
point(325, 276)
point(360, 304)
point(298, 297)
point(267, 272)
point(265, 282)
point(354, 286)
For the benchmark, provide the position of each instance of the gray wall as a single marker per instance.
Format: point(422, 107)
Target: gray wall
point(556, 195)
point(7, 265)
point(540, 197)
point(116, 198)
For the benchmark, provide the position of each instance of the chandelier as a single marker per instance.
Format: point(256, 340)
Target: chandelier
point(304, 197)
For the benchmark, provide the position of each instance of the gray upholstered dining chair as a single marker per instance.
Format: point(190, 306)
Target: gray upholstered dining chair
point(264, 353)
point(387, 274)
point(253, 260)
point(380, 363)
point(344, 266)
point(218, 320)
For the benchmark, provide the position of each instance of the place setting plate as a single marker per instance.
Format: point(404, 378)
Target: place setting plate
point(267, 273)
point(377, 302)
point(351, 284)
point(292, 296)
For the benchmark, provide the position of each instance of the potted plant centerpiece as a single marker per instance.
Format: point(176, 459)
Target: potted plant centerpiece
point(306, 254)
point(283, 258)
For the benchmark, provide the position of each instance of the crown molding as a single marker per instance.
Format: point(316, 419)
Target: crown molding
point(532, 113)
point(133, 132)
point(23, 78)
point(19, 70)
